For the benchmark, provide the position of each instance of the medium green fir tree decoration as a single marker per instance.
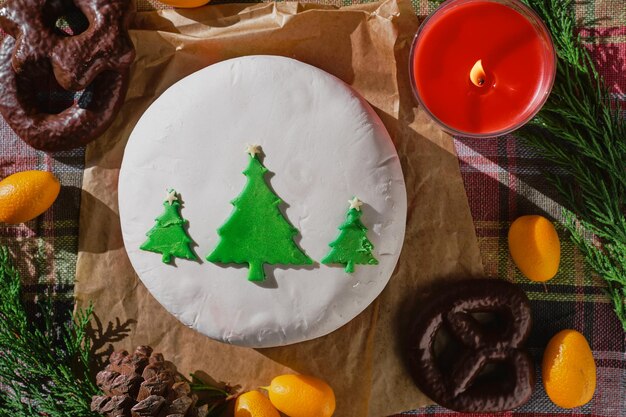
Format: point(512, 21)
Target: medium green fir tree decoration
point(352, 247)
point(168, 236)
point(256, 232)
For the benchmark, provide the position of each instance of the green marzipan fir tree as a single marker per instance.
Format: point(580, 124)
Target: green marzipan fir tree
point(168, 236)
point(352, 246)
point(256, 232)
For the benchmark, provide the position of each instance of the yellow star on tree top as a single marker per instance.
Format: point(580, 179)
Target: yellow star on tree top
point(355, 203)
point(253, 150)
point(171, 196)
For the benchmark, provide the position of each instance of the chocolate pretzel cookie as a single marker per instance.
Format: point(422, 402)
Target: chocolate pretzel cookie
point(37, 57)
point(466, 351)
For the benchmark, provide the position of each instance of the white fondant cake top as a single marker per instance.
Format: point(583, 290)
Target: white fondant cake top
point(323, 145)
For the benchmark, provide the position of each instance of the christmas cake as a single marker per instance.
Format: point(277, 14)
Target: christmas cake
point(268, 157)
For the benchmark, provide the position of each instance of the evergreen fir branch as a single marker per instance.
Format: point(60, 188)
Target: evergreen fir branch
point(580, 129)
point(44, 371)
point(609, 262)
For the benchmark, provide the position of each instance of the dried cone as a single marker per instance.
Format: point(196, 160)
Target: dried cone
point(143, 385)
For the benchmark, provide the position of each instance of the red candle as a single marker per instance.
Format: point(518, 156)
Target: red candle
point(482, 67)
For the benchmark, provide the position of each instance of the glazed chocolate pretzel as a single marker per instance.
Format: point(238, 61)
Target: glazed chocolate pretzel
point(460, 381)
point(36, 56)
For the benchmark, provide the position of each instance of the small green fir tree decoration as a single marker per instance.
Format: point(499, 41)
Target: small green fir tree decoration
point(168, 236)
point(256, 232)
point(352, 246)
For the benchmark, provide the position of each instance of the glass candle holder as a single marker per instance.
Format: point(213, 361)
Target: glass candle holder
point(482, 68)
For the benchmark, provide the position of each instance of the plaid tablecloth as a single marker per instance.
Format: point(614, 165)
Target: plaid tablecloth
point(503, 180)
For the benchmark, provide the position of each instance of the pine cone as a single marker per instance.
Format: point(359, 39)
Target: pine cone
point(143, 385)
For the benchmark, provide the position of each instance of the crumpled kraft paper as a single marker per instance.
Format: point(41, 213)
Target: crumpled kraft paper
point(367, 46)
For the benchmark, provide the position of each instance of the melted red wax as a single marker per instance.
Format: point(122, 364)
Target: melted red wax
point(516, 58)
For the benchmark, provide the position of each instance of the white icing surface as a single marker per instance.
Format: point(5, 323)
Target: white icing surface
point(323, 143)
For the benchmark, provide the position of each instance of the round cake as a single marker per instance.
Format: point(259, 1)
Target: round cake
point(205, 152)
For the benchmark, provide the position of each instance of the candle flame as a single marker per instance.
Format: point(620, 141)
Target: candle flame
point(477, 74)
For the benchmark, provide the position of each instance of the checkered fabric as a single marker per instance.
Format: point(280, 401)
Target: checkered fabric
point(45, 249)
point(503, 179)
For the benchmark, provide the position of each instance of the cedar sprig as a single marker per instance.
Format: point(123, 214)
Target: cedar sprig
point(608, 261)
point(217, 399)
point(44, 370)
point(580, 130)
point(45, 367)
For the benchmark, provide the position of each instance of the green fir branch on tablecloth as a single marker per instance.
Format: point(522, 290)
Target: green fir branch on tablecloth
point(46, 366)
point(580, 130)
point(608, 261)
point(44, 370)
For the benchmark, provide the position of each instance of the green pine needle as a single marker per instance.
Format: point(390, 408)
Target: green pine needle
point(580, 129)
point(44, 371)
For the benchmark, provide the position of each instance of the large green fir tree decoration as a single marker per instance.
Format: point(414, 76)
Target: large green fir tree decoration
point(352, 247)
point(256, 232)
point(168, 236)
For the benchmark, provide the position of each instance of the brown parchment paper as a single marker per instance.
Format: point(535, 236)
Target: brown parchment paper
point(367, 46)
